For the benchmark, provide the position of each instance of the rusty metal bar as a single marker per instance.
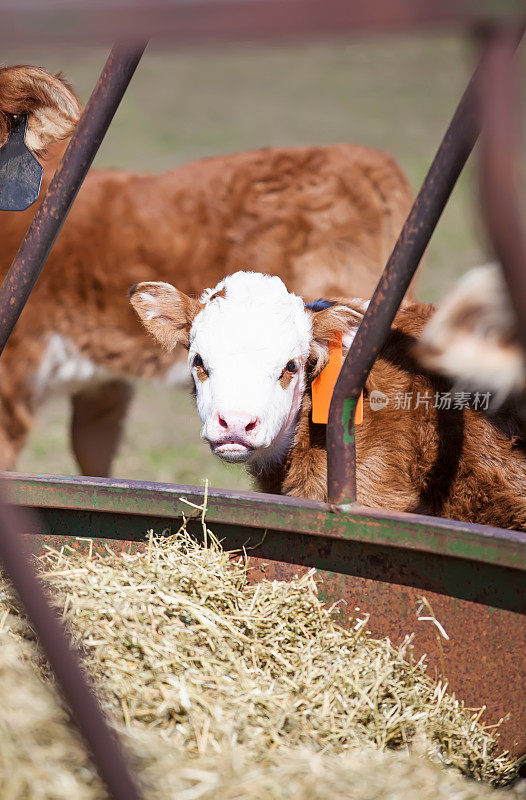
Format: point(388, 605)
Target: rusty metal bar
point(66, 182)
point(447, 165)
point(125, 508)
point(14, 294)
point(500, 114)
point(204, 21)
point(86, 711)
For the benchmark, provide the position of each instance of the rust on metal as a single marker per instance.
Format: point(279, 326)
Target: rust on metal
point(425, 213)
point(380, 561)
point(478, 544)
point(203, 21)
point(484, 657)
point(66, 182)
point(447, 165)
point(472, 575)
point(500, 112)
point(52, 636)
point(14, 294)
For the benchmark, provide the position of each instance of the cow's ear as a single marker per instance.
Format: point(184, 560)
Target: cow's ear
point(165, 312)
point(342, 317)
point(51, 105)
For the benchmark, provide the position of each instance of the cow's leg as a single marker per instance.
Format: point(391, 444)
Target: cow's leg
point(16, 419)
point(97, 423)
point(17, 398)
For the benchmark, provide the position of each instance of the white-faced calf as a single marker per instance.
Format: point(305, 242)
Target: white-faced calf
point(254, 349)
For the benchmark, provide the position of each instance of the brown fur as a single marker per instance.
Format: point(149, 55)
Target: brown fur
point(174, 312)
point(52, 107)
point(216, 295)
point(285, 378)
point(325, 324)
point(323, 218)
point(202, 374)
point(473, 339)
point(462, 465)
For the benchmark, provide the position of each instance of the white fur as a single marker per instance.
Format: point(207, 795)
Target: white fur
point(245, 340)
point(64, 368)
point(349, 336)
point(477, 358)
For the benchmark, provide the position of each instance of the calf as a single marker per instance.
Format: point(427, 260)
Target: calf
point(254, 349)
point(472, 338)
point(324, 218)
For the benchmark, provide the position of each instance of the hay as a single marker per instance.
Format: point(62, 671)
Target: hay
point(41, 758)
point(222, 689)
point(301, 775)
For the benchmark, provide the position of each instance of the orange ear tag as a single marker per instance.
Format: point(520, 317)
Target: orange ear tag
point(324, 383)
point(358, 416)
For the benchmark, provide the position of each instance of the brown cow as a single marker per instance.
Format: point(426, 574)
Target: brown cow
point(254, 350)
point(323, 218)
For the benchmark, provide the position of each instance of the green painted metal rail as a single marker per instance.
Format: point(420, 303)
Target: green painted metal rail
point(435, 535)
point(472, 562)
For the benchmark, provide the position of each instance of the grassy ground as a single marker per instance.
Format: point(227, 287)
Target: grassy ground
point(161, 443)
point(395, 93)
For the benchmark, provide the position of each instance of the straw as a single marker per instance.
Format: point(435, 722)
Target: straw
point(254, 687)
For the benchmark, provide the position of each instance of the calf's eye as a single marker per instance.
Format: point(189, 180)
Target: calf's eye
point(201, 371)
point(291, 366)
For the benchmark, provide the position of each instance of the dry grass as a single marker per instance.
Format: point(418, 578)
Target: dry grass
point(230, 690)
point(42, 758)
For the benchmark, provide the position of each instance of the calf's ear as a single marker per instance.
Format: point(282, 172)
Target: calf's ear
point(343, 317)
point(51, 104)
point(165, 312)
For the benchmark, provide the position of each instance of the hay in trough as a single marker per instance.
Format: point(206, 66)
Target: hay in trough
point(223, 689)
point(42, 758)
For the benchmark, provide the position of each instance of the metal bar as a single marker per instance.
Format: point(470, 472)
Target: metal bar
point(204, 21)
point(86, 711)
point(14, 294)
point(480, 543)
point(440, 180)
point(300, 518)
point(500, 114)
point(66, 182)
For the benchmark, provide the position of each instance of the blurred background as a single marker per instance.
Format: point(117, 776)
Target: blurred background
point(396, 93)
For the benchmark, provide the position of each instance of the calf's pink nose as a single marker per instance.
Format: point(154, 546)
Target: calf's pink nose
point(237, 423)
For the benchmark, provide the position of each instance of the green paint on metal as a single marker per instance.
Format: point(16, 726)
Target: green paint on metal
point(257, 511)
point(349, 410)
point(489, 584)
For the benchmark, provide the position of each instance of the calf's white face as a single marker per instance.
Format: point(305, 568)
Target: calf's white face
point(248, 349)
point(249, 341)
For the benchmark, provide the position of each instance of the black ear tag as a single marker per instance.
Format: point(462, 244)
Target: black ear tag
point(20, 172)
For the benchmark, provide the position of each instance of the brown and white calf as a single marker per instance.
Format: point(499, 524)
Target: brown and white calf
point(472, 338)
point(323, 218)
point(254, 349)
